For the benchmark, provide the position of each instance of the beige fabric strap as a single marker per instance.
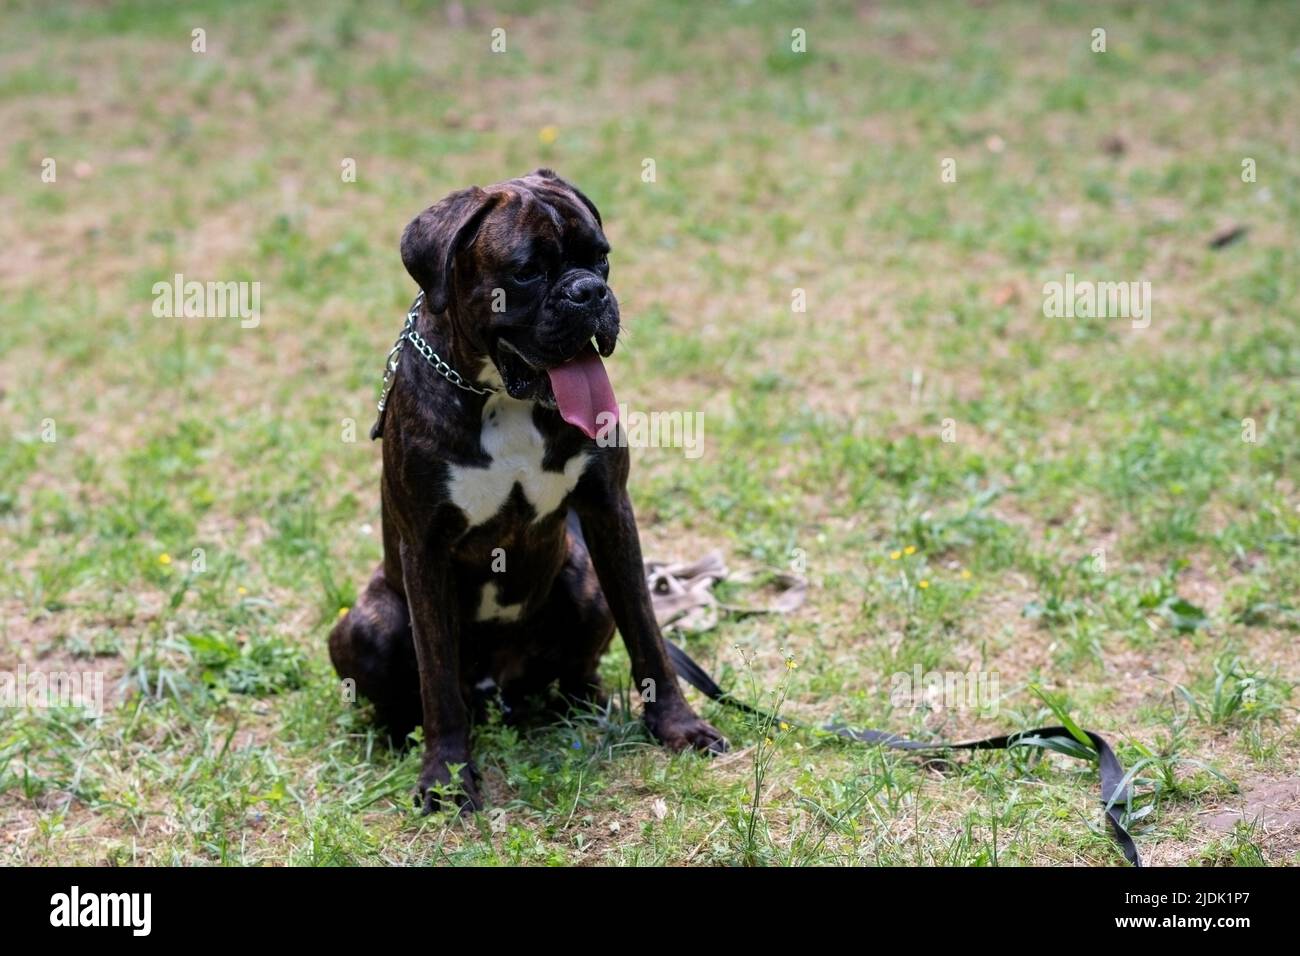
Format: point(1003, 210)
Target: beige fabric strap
point(682, 592)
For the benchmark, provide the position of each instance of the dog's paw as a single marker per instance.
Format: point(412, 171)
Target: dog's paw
point(438, 791)
point(685, 730)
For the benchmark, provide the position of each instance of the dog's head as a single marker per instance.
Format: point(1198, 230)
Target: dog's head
point(521, 270)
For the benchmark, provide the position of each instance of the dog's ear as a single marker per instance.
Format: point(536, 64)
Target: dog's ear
point(591, 206)
point(431, 241)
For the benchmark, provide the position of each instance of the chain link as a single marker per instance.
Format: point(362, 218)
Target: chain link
point(409, 334)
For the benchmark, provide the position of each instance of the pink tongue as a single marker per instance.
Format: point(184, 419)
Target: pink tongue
point(582, 391)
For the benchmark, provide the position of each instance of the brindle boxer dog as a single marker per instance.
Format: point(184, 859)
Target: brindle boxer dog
point(510, 547)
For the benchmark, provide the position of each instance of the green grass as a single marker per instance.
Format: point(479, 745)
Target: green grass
point(1098, 529)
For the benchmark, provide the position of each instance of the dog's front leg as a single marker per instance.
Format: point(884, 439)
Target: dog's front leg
point(615, 548)
point(427, 575)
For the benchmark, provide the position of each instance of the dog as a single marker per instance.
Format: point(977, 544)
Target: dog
point(511, 551)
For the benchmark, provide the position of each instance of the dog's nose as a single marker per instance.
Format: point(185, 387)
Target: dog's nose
point(586, 290)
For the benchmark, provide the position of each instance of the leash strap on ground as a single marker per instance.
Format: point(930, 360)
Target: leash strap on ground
point(1115, 789)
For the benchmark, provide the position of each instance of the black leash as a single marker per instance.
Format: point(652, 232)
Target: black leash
point(1114, 791)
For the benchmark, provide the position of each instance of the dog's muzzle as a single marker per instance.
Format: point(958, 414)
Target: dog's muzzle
point(581, 300)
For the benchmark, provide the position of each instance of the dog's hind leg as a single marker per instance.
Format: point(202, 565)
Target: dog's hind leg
point(561, 641)
point(580, 621)
point(372, 645)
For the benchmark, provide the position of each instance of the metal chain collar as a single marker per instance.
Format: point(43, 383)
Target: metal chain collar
point(409, 334)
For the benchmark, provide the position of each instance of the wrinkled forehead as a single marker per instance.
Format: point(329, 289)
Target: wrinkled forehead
point(538, 215)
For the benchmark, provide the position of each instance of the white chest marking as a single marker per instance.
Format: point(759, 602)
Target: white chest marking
point(516, 448)
point(490, 607)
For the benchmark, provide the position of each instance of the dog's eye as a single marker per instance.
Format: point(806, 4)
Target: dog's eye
point(528, 273)
point(602, 264)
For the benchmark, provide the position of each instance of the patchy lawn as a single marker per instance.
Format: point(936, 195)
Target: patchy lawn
point(1101, 514)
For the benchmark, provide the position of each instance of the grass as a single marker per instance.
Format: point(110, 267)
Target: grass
point(1097, 528)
